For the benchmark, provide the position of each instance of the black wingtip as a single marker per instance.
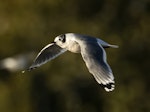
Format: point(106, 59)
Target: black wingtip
point(109, 87)
point(29, 69)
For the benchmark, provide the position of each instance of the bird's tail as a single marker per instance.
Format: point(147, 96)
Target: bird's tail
point(112, 46)
point(105, 44)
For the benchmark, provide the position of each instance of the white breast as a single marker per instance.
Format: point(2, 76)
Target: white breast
point(73, 47)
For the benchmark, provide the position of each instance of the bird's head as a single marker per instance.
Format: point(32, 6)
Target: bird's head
point(64, 40)
point(61, 40)
point(68, 41)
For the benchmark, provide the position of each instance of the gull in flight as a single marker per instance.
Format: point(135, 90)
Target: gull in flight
point(92, 52)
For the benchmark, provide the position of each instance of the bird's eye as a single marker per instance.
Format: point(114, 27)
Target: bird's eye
point(62, 38)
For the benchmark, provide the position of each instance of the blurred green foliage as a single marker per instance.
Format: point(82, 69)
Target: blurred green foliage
point(64, 84)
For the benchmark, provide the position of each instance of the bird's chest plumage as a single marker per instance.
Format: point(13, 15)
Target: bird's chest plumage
point(74, 47)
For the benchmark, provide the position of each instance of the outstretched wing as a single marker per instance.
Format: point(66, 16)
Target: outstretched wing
point(48, 53)
point(95, 58)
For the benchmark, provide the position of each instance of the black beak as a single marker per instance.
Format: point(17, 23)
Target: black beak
point(53, 42)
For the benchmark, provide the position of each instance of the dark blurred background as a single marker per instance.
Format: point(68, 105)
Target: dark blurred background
point(64, 84)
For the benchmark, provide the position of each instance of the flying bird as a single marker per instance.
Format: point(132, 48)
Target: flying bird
point(92, 52)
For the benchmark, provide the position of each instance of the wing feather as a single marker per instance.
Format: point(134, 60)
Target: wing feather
point(48, 53)
point(95, 58)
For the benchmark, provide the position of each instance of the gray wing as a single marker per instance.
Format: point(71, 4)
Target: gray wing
point(95, 58)
point(48, 53)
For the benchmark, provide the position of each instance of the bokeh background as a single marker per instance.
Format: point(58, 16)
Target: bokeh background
point(64, 84)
